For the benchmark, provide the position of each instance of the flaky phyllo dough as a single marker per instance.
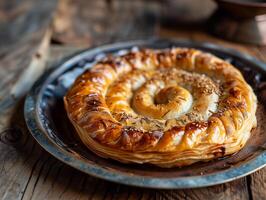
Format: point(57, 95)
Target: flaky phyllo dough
point(169, 107)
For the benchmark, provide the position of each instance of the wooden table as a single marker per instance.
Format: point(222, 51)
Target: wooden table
point(26, 170)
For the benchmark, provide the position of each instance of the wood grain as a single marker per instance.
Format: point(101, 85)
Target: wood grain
point(26, 170)
point(25, 38)
point(257, 180)
point(234, 190)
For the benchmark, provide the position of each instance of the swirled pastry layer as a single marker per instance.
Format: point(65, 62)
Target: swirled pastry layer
point(169, 107)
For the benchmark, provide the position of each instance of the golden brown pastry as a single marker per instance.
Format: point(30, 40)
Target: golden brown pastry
point(169, 107)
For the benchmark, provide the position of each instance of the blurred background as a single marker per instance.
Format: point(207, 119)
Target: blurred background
point(86, 22)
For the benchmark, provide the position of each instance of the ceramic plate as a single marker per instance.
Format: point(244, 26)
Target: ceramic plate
point(47, 121)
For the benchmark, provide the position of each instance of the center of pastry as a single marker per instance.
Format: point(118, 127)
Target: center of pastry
point(163, 98)
point(155, 100)
point(170, 94)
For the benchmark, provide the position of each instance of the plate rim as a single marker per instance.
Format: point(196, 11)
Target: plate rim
point(40, 135)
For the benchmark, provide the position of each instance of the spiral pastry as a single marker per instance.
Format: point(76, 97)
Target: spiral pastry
point(169, 107)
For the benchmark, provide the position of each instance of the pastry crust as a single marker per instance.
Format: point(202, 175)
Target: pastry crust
point(170, 107)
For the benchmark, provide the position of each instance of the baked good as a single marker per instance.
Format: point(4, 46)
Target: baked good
point(169, 107)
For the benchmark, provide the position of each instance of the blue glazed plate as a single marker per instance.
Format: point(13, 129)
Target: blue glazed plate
point(47, 121)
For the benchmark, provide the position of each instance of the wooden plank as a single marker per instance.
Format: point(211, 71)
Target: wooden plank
point(23, 46)
point(19, 156)
point(24, 42)
point(257, 183)
point(257, 180)
point(233, 190)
